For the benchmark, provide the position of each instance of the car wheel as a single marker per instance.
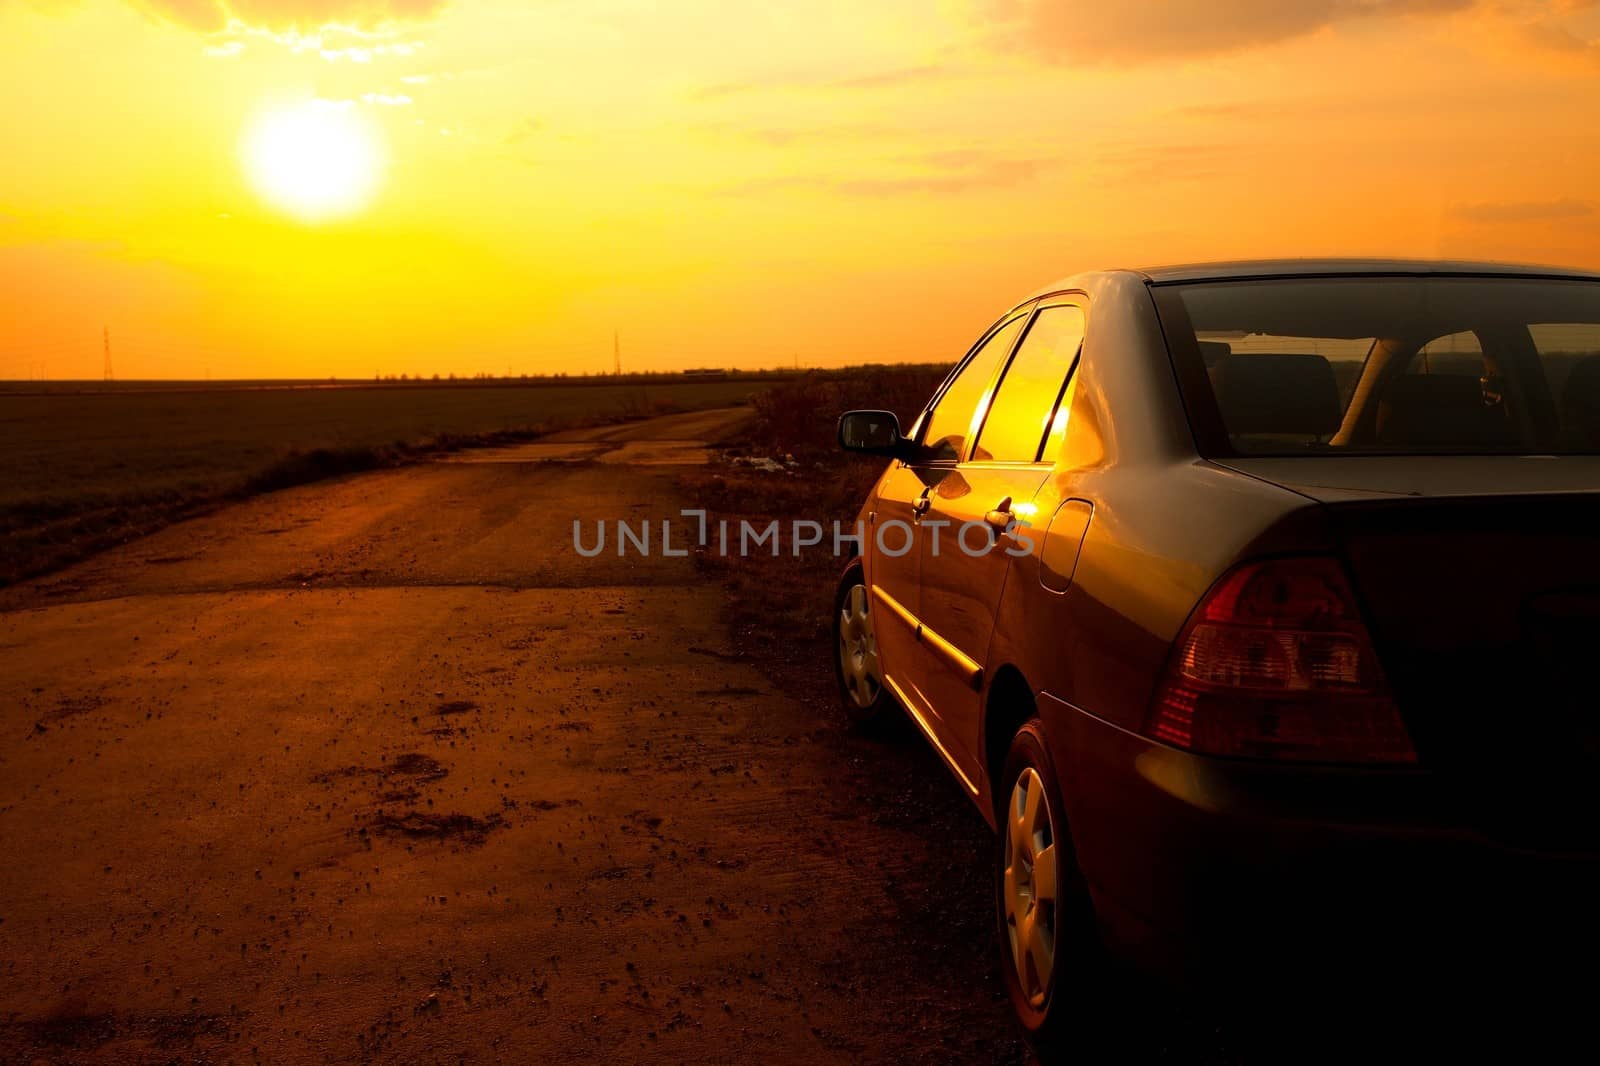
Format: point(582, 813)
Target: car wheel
point(855, 660)
point(1051, 955)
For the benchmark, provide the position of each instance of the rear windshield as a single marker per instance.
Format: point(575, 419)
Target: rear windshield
point(1388, 365)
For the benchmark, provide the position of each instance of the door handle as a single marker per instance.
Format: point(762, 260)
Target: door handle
point(920, 507)
point(1001, 517)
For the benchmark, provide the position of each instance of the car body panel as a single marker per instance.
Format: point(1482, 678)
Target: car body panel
point(962, 586)
point(893, 566)
point(1485, 611)
point(1352, 478)
point(1203, 868)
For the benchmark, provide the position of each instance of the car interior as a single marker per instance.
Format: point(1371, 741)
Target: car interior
point(1459, 383)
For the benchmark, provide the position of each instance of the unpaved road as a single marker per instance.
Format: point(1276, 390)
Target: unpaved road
point(382, 769)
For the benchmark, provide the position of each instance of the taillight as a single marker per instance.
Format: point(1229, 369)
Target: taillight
point(1276, 663)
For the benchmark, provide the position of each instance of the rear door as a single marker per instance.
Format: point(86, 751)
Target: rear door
point(904, 501)
point(970, 536)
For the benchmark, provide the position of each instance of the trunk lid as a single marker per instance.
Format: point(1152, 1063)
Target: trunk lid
point(1480, 577)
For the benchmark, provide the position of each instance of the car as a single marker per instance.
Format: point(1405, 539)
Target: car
point(1256, 606)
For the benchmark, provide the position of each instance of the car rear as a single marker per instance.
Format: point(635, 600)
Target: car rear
point(1378, 757)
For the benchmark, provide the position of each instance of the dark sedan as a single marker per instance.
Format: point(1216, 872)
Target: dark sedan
point(1253, 604)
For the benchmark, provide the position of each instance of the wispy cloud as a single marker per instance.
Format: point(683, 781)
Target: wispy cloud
point(1138, 31)
point(887, 79)
point(333, 42)
point(977, 176)
point(774, 136)
point(524, 130)
point(998, 174)
point(1525, 211)
point(1135, 32)
point(367, 53)
point(882, 79)
point(1154, 163)
point(1221, 111)
point(1547, 30)
point(212, 16)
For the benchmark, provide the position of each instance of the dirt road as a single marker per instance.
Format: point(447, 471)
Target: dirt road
point(382, 769)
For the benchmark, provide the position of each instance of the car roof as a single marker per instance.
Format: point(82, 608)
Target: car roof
point(1280, 268)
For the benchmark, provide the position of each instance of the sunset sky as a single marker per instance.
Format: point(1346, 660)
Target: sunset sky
point(737, 184)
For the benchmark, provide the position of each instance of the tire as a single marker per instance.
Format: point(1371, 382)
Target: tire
point(855, 652)
point(1063, 1012)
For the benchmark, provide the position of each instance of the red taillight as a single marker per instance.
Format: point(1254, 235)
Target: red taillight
point(1276, 663)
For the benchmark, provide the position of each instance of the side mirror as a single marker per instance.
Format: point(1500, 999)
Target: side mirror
point(873, 433)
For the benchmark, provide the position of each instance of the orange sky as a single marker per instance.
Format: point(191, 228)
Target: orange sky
point(744, 184)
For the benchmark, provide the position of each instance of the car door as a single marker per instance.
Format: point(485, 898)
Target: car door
point(893, 563)
point(944, 434)
point(980, 519)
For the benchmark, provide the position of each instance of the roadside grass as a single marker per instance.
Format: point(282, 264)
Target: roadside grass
point(83, 472)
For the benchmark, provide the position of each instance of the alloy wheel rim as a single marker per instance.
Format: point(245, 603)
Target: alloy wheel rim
point(858, 649)
point(1030, 886)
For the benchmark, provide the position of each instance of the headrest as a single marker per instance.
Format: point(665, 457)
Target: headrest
point(1288, 394)
point(1214, 352)
point(1438, 409)
point(1580, 402)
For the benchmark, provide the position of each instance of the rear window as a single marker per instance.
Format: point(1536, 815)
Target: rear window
point(1388, 365)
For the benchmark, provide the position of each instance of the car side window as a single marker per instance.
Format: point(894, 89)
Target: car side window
point(1019, 417)
point(1457, 353)
point(953, 416)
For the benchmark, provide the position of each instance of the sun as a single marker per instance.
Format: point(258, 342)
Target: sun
point(316, 160)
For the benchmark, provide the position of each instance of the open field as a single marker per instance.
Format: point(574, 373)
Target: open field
point(83, 470)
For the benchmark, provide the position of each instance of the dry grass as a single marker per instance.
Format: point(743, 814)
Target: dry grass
point(82, 472)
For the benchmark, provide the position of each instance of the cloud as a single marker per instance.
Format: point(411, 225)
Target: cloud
point(1529, 211)
point(1137, 31)
point(214, 16)
point(968, 177)
point(1546, 30)
point(883, 79)
point(1220, 111)
point(205, 15)
point(783, 136)
point(1002, 173)
point(524, 130)
point(889, 78)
